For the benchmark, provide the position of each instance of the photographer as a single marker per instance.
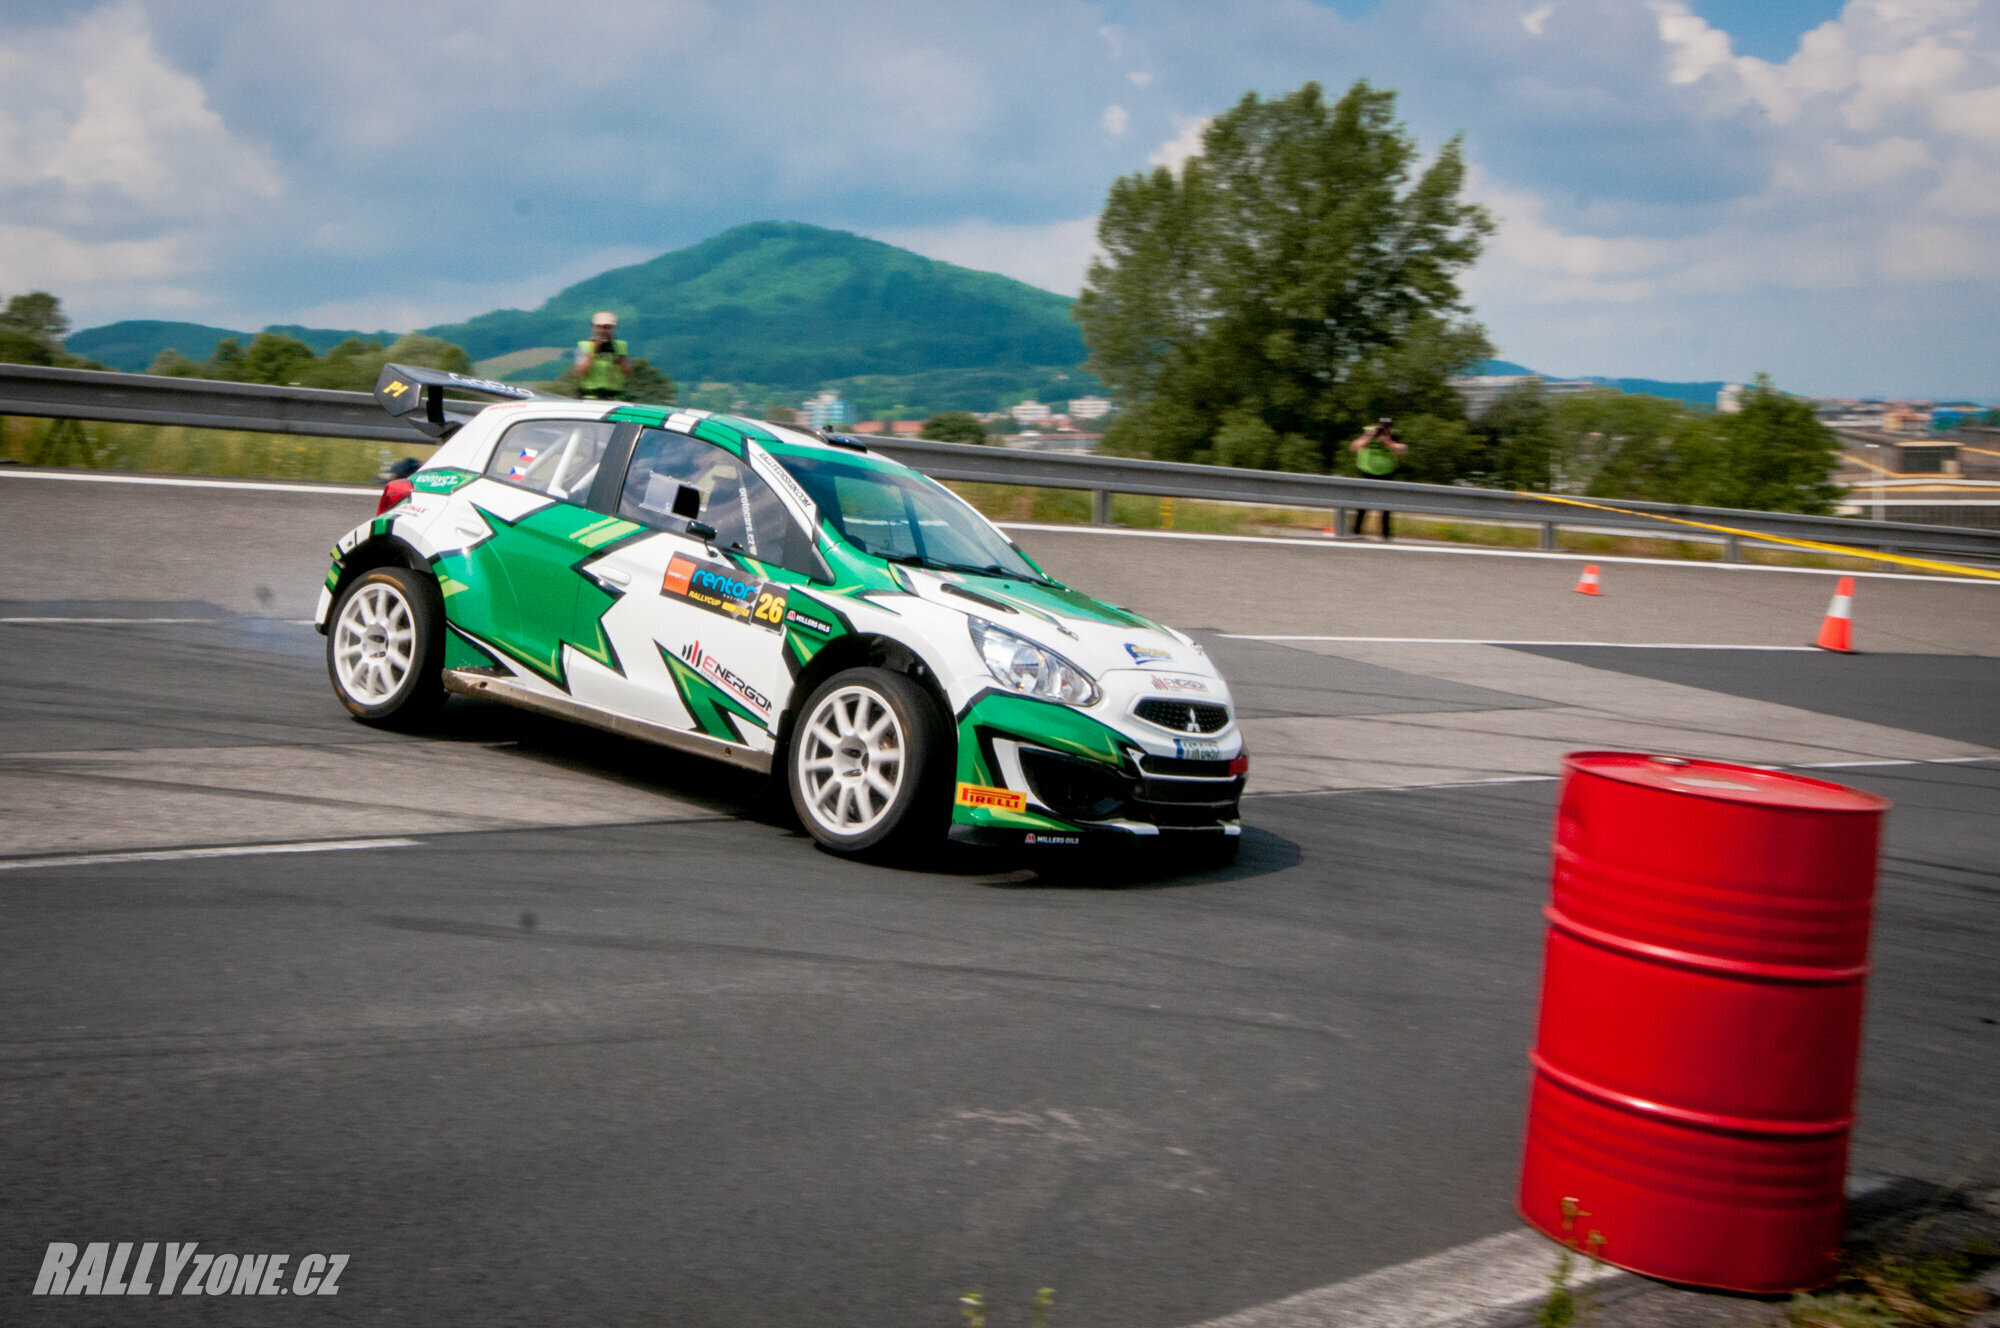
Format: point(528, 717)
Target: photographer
point(1375, 453)
point(601, 362)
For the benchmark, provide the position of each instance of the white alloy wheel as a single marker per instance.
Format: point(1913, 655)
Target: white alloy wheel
point(374, 643)
point(852, 759)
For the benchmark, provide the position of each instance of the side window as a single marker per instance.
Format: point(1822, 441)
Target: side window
point(555, 457)
point(747, 514)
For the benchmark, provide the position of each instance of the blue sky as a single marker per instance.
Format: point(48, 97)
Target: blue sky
point(1686, 188)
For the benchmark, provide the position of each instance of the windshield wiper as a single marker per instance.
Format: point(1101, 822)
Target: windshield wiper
point(937, 565)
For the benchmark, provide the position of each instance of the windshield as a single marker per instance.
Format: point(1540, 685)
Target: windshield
point(905, 518)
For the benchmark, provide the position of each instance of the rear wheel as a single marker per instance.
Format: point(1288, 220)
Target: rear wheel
point(383, 647)
point(867, 761)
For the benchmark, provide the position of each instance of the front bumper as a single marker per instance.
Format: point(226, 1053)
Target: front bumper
point(1038, 773)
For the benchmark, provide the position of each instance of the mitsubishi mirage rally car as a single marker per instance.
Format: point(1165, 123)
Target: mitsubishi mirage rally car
point(780, 600)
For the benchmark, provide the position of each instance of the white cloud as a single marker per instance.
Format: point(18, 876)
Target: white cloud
point(1053, 256)
point(111, 160)
point(445, 301)
point(1116, 120)
point(1139, 79)
point(1186, 142)
point(1536, 19)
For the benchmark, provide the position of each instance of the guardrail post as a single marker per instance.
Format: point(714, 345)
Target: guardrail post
point(1548, 534)
point(1100, 507)
point(1341, 516)
point(1732, 549)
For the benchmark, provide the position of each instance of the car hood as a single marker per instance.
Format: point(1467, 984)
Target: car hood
point(1097, 636)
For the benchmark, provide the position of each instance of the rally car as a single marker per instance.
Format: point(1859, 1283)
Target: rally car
point(778, 599)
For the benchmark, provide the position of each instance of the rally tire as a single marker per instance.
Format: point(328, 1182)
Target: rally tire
point(385, 645)
point(867, 762)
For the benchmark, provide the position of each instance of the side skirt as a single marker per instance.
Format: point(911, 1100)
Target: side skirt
point(486, 687)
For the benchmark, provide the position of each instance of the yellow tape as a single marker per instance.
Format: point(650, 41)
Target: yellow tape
point(1845, 551)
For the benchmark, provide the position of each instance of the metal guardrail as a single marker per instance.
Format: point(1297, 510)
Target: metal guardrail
point(78, 394)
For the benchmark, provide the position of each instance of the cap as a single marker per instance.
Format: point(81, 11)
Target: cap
point(604, 319)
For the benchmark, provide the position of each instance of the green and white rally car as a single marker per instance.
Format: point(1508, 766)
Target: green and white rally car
point(780, 600)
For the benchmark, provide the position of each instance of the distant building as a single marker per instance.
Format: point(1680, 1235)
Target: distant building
point(1029, 412)
point(868, 427)
point(1482, 390)
point(1729, 400)
point(1089, 408)
point(824, 411)
point(906, 428)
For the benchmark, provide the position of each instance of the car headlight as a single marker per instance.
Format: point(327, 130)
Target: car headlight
point(1020, 665)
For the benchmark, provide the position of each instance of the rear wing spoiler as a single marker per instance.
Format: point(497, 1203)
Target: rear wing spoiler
point(417, 395)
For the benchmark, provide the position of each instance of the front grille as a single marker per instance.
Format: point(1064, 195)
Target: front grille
point(1183, 716)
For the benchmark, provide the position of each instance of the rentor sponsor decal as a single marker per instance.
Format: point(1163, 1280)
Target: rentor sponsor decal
point(1169, 683)
point(726, 678)
point(997, 799)
point(725, 590)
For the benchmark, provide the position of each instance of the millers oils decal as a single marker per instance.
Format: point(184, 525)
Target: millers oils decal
point(999, 799)
point(726, 590)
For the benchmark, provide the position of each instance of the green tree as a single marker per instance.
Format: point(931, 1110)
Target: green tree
point(39, 315)
point(18, 347)
point(170, 363)
point(645, 383)
point(1292, 274)
point(1775, 456)
point(954, 426)
point(275, 358)
point(1522, 447)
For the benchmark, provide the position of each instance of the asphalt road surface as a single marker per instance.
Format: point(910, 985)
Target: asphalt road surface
point(597, 1037)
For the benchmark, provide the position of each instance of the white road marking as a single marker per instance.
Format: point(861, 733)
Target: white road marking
point(1307, 542)
point(1406, 788)
point(1485, 641)
point(224, 851)
point(1550, 779)
point(1472, 1285)
point(116, 622)
point(133, 622)
point(181, 482)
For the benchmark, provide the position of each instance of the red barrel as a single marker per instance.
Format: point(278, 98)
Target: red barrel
point(1700, 1029)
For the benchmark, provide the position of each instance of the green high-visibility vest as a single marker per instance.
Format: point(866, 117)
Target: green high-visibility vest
point(1375, 459)
point(603, 373)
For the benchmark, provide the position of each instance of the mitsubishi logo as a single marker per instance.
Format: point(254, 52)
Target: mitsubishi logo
point(1194, 721)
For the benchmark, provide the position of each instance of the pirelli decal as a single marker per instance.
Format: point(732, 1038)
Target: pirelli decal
point(996, 799)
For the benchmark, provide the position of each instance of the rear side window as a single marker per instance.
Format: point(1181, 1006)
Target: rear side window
point(555, 457)
point(746, 512)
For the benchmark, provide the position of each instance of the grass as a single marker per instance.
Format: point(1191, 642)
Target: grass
point(172, 450)
point(1896, 1290)
point(1008, 502)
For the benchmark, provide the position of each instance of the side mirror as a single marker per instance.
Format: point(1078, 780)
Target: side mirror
point(687, 502)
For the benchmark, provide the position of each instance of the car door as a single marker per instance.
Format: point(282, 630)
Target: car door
point(514, 585)
point(700, 626)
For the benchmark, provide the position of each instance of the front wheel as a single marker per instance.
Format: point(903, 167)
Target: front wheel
point(866, 762)
point(383, 647)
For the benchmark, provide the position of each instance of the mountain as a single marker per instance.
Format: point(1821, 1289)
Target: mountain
point(1696, 394)
point(795, 306)
point(134, 343)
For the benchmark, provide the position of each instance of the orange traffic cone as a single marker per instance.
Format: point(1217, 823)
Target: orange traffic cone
point(1588, 584)
point(1837, 631)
